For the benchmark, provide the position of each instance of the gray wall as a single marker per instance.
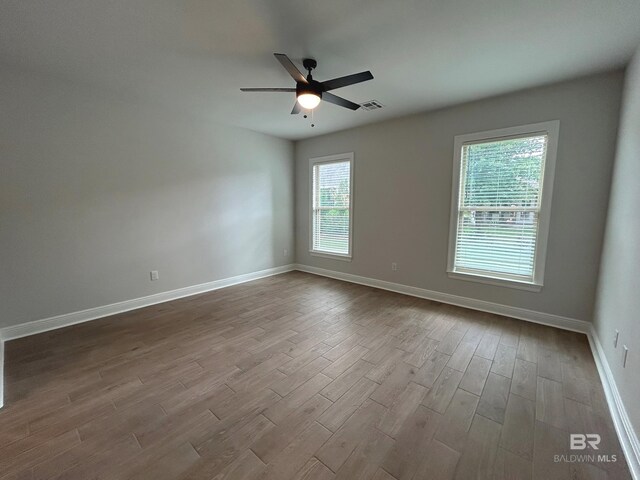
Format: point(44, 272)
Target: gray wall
point(95, 192)
point(618, 299)
point(402, 184)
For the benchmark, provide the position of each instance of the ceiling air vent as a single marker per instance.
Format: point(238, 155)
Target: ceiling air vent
point(371, 105)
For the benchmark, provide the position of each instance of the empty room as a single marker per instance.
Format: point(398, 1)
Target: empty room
point(295, 240)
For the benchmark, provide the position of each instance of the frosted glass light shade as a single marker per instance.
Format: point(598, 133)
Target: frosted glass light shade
point(308, 100)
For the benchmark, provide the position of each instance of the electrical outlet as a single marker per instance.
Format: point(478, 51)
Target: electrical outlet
point(394, 266)
point(154, 275)
point(624, 356)
point(286, 252)
point(615, 339)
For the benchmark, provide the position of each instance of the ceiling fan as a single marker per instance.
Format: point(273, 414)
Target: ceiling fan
point(308, 91)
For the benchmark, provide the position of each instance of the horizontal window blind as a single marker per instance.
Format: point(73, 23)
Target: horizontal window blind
point(499, 207)
point(331, 200)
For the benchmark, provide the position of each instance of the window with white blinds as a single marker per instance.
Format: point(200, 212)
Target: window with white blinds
point(501, 203)
point(331, 190)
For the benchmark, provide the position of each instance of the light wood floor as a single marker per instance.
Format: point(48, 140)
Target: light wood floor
point(302, 377)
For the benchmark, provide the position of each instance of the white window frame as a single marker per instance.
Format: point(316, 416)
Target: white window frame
point(339, 158)
point(551, 129)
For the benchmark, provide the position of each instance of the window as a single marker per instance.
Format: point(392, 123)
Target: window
point(501, 205)
point(331, 212)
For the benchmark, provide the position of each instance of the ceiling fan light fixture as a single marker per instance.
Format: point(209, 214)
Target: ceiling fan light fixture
point(310, 92)
point(309, 100)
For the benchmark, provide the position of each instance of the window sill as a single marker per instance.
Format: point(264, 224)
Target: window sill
point(500, 282)
point(334, 256)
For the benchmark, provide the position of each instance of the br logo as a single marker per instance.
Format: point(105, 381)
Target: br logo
point(580, 441)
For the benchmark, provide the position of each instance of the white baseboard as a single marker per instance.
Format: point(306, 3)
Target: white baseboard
point(67, 319)
point(1, 373)
point(626, 434)
point(565, 323)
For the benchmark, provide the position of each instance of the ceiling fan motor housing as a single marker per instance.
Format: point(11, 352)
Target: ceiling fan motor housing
point(313, 87)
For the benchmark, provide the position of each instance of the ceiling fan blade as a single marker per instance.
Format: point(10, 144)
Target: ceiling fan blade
point(267, 89)
point(345, 81)
point(297, 108)
point(290, 67)
point(336, 100)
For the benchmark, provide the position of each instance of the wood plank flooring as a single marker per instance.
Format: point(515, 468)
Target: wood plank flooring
point(302, 377)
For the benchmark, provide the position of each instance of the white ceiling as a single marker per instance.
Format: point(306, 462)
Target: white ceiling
point(195, 54)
